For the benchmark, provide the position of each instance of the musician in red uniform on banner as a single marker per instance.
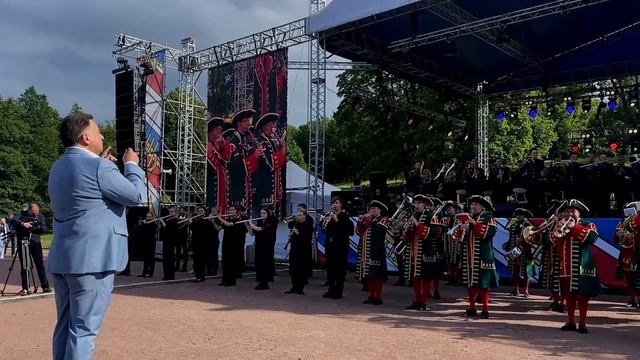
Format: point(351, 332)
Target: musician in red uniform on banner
point(372, 259)
point(267, 179)
point(218, 154)
point(244, 159)
point(478, 265)
point(572, 238)
point(628, 237)
point(519, 261)
point(421, 254)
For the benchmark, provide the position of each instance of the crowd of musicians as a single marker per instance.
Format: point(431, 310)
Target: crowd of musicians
point(594, 181)
point(431, 239)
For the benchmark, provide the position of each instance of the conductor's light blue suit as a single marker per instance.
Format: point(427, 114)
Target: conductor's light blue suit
point(89, 197)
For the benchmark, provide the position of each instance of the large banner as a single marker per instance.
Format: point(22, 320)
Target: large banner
point(246, 142)
point(153, 124)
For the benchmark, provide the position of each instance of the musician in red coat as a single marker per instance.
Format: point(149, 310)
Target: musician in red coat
point(218, 155)
point(628, 238)
point(244, 160)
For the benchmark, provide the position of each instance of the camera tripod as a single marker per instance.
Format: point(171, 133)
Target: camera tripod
point(26, 264)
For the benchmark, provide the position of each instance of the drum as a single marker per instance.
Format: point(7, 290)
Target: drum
point(514, 253)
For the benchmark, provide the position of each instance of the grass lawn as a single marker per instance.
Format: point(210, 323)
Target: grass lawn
point(46, 240)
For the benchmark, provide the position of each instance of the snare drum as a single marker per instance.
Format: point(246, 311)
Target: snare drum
point(514, 253)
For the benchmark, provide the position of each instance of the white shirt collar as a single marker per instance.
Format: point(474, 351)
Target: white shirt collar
point(85, 150)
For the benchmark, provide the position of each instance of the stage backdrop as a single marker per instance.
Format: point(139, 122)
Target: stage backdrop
point(259, 84)
point(605, 252)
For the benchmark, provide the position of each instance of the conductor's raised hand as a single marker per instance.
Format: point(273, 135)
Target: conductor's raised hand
point(130, 156)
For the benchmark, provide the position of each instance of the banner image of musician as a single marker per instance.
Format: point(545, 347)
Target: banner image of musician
point(251, 97)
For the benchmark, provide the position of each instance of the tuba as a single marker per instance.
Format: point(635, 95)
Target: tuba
point(397, 222)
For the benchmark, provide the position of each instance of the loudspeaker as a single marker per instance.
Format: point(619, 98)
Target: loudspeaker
point(128, 134)
point(378, 183)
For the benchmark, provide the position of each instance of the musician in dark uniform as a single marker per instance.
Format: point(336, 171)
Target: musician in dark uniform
point(182, 242)
point(146, 235)
point(557, 179)
point(244, 159)
point(211, 246)
point(338, 229)
point(573, 237)
point(372, 266)
point(572, 186)
point(300, 255)
point(169, 234)
point(438, 233)
point(265, 241)
point(478, 265)
point(267, 179)
point(530, 172)
point(500, 181)
point(520, 266)
point(201, 231)
point(621, 184)
point(628, 238)
point(548, 262)
point(474, 178)
point(414, 179)
point(232, 246)
point(421, 252)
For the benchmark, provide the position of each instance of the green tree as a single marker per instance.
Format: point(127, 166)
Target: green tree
point(294, 153)
point(108, 130)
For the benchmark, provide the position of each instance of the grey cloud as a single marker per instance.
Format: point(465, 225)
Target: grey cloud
point(64, 47)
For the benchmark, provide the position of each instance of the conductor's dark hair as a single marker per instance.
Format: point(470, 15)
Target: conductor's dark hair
point(304, 206)
point(72, 127)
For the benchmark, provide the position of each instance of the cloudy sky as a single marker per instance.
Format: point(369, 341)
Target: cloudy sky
point(63, 47)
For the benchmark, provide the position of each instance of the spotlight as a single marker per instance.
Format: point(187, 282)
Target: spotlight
point(533, 112)
point(612, 104)
point(430, 127)
point(449, 133)
point(500, 115)
point(614, 145)
point(551, 107)
point(588, 148)
point(575, 148)
point(466, 137)
point(410, 120)
point(571, 106)
point(513, 111)
point(586, 104)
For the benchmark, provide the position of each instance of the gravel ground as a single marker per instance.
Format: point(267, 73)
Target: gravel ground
point(204, 321)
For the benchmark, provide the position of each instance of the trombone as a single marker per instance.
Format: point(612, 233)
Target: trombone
point(529, 232)
point(158, 219)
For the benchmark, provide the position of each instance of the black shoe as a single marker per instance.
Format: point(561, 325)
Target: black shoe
point(168, 279)
point(484, 314)
point(148, 275)
point(632, 304)
point(424, 307)
point(142, 275)
point(24, 292)
point(414, 306)
point(558, 307)
point(436, 295)
point(400, 282)
point(326, 283)
point(197, 280)
point(261, 287)
point(336, 296)
point(368, 301)
point(365, 289)
point(377, 302)
point(582, 329)
point(514, 293)
point(230, 284)
point(46, 289)
point(222, 284)
point(569, 327)
point(327, 295)
point(291, 291)
point(299, 292)
point(471, 312)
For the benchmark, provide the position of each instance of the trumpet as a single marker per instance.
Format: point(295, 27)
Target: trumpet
point(564, 226)
point(529, 232)
point(289, 219)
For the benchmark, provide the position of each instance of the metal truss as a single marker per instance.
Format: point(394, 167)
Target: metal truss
point(284, 36)
point(603, 132)
point(414, 66)
point(317, 114)
point(128, 44)
point(482, 129)
point(243, 88)
point(332, 65)
point(493, 22)
point(409, 107)
point(458, 16)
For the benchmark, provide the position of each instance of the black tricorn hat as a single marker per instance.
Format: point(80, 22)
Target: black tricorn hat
point(435, 201)
point(574, 204)
point(242, 114)
point(228, 133)
point(379, 205)
point(555, 204)
point(266, 118)
point(481, 200)
point(522, 212)
point(423, 199)
point(215, 122)
point(449, 204)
